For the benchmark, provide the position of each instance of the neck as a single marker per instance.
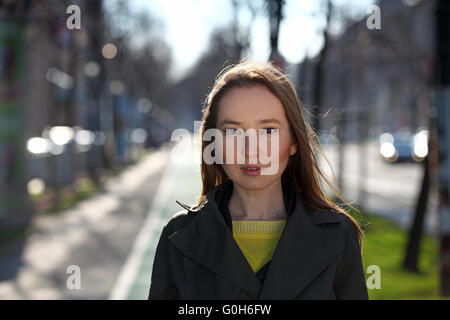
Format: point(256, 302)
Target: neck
point(264, 204)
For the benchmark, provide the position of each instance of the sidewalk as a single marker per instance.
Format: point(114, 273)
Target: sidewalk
point(181, 181)
point(95, 235)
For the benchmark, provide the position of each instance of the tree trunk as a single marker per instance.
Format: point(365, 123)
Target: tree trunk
point(415, 234)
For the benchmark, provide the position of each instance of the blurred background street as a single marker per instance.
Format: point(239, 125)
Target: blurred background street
point(92, 90)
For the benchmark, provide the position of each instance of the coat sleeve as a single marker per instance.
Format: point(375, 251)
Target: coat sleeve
point(350, 282)
point(162, 286)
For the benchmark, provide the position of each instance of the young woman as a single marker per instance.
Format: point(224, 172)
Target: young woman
point(254, 235)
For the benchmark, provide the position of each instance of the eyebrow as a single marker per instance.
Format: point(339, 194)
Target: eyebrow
point(232, 122)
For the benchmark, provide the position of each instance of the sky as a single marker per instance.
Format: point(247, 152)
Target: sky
point(188, 24)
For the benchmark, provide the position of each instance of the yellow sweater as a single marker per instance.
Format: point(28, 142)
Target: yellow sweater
point(257, 239)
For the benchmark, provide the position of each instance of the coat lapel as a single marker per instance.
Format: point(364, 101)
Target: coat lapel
point(208, 241)
point(305, 248)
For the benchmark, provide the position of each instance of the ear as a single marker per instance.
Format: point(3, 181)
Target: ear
point(293, 149)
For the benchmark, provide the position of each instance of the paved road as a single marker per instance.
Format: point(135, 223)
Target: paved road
point(392, 189)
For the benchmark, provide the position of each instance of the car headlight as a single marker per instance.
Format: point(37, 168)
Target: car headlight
point(387, 149)
point(421, 150)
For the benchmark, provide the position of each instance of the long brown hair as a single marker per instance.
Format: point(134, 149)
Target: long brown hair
point(303, 169)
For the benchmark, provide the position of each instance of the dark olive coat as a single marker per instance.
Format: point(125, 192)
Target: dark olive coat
point(318, 257)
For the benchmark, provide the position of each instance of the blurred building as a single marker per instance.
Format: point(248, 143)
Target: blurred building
point(376, 80)
point(74, 101)
point(65, 79)
point(12, 113)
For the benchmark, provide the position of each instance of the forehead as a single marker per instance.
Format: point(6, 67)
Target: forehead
point(250, 103)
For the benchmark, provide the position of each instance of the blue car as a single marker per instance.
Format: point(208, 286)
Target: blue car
point(404, 146)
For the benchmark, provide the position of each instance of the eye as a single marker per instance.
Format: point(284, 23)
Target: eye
point(233, 131)
point(268, 130)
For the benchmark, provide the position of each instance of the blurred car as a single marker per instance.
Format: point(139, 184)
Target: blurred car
point(403, 146)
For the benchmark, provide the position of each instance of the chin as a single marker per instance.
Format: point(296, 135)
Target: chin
point(255, 183)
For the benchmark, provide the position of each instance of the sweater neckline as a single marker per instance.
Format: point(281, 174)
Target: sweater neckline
point(258, 226)
point(225, 190)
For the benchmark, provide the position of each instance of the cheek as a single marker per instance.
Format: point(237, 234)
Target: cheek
point(283, 148)
point(233, 151)
point(230, 157)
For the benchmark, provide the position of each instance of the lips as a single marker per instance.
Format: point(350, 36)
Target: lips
point(251, 170)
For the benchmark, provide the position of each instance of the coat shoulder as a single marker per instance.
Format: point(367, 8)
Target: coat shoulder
point(350, 230)
point(179, 220)
point(347, 225)
point(327, 216)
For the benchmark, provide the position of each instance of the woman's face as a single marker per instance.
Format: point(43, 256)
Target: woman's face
point(255, 107)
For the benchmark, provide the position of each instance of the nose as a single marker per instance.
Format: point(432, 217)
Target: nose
point(251, 149)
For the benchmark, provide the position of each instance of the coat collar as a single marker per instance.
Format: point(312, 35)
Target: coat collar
point(305, 248)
